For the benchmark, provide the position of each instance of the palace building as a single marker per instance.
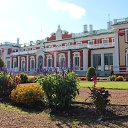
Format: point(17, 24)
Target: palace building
point(104, 49)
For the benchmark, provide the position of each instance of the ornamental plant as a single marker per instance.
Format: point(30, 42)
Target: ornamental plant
point(90, 73)
point(60, 88)
point(27, 94)
point(24, 77)
point(120, 78)
point(31, 79)
point(100, 98)
point(6, 85)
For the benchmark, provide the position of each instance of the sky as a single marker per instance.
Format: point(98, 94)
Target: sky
point(32, 20)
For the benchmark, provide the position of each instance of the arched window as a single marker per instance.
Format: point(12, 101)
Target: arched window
point(62, 60)
point(40, 62)
point(49, 60)
point(76, 60)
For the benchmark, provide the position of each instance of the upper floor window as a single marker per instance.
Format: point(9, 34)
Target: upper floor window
point(113, 40)
point(126, 34)
point(105, 41)
point(91, 42)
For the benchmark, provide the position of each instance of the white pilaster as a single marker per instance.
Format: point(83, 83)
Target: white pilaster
point(116, 54)
point(18, 63)
point(69, 59)
point(11, 63)
point(102, 61)
point(27, 64)
point(85, 59)
point(54, 59)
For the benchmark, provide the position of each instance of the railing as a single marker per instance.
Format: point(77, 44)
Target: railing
point(24, 53)
point(91, 46)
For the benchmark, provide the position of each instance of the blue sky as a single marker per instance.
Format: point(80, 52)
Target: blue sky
point(25, 19)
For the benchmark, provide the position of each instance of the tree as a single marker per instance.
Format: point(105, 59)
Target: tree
point(1, 63)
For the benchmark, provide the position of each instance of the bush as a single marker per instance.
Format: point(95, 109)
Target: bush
point(82, 78)
point(100, 99)
point(60, 89)
point(6, 85)
point(120, 78)
point(31, 79)
point(24, 78)
point(27, 94)
point(112, 78)
point(90, 73)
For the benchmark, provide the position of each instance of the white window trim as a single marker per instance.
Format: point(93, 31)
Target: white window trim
point(61, 55)
point(104, 40)
point(76, 54)
point(32, 58)
point(49, 57)
point(126, 33)
point(92, 42)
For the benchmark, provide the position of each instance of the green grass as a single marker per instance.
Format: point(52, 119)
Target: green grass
point(106, 84)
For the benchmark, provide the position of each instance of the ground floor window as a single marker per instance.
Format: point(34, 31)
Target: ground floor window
point(8, 64)
point(108, 61)
point(32, 64)
point(76, 62)
point(97, 61)
point(49, 62)
point(62, 62)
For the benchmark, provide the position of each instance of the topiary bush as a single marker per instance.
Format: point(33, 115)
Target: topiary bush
point(24, 77)
point(120, 78)
point(1, 63)
point(90, 73)
point(27, 94)
point(60, 88)
point(6, 85)
point(31, 79)
point(112, 78)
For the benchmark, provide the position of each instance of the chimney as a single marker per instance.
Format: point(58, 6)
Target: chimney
point(90, 28)
point(109, 25)
point(85, 28)
point(115, 21)
point(18, 40)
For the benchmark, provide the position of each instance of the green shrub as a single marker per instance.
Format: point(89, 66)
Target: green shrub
point(6, 85)
point(24, 77)
point(27, 94)
point(60, 90)
point(112, 78)
point(100, 99)
point(120, 78)
point(90, 73)
point(31, 79)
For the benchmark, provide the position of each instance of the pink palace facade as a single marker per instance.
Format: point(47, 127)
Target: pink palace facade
point(104, 49)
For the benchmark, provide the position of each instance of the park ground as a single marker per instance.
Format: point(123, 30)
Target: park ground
point(15, 117)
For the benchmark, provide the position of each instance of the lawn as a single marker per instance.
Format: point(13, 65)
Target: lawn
point(106, 84)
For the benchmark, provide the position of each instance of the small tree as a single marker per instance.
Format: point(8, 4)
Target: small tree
point(1, 63)
point(90, 73)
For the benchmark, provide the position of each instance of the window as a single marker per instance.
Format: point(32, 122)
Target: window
point(8, 64)
point(113, 40)
point(62, 62)
point(97, 61)
point(76, 61)
point(49, 62)
point(91, 42)
point(32, 64)
point(126, 35)
point(105, 41)
point(108, 61)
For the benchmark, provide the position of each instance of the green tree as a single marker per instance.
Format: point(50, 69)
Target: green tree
point(90, 73)
point(1, 63)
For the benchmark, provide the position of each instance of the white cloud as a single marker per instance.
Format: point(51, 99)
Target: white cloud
point(73, 10)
